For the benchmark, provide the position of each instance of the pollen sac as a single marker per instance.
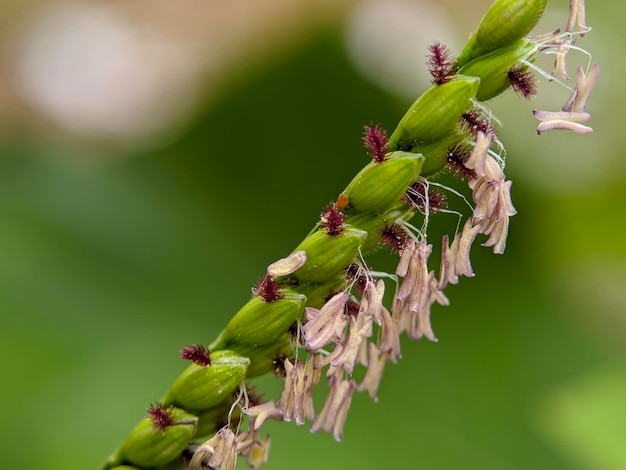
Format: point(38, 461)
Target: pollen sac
point(380, 186)
point(200, 387)
point(505, 22)
point(329, 255)
point(493, 68)
point(435, 113)
point(146, 447)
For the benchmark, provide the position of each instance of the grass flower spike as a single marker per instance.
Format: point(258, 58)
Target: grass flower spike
point(322, 313)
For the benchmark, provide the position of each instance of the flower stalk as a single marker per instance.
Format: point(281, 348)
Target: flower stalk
point(319, 313)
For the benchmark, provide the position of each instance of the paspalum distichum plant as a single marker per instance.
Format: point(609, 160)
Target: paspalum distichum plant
point(319, 313)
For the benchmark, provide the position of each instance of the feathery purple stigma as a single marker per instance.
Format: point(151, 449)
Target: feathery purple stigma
point(268, 289)
point(278, 367)
point(473, 121)
point(522, 81)
point(375, 140)
point(455, 158)
point(416, 197)
point(356, 274)
point(197, 354)
point(439, 62)
point(394, 236)
point(332, 219)
point(352, 308)
point(161, 416)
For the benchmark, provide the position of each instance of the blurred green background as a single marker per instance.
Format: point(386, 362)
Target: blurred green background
point(117, 249)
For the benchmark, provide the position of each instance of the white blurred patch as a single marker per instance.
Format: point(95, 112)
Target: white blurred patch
point(95, 72)
point(388, 40)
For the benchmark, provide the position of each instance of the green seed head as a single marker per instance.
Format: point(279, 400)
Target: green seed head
point(147, 446)
point(380, 186)
point(262, 357)
point(435, 114)
point(505, 22)
point(258, 323)
point(435, 153)
point(260, 330)
point(200, 387)
point(493, 68)
point(328, 255)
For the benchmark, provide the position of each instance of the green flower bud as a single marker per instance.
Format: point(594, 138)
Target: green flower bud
point(259, 331)
point(493, 68)
point(328, 255)
point(434, 114)
point(505, 22)
point(436, 152)
point(379, 186)
point(262, 356)
point(147, 446)
point(259, 323)
point(200, 387)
